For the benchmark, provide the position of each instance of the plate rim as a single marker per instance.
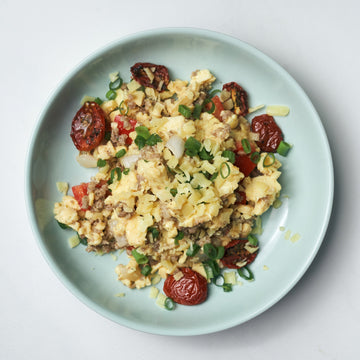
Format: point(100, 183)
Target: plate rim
point(30, 207)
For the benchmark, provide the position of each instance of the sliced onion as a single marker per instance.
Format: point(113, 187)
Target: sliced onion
point(86, 160)
point(129, 160)
point(176, 145)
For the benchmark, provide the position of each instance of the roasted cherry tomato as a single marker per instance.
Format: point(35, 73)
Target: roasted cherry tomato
point(239, 98)
point(269, 132)
point(191, 289)
point(236, 253)
point(218, 107)
point(79, 192)
point(125, 126)
point(151, 75)
point(88, 127)
point(245, 164)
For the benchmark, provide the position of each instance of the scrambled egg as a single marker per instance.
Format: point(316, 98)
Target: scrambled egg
point(161, 201)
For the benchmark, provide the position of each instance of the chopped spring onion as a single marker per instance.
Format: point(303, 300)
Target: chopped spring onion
point(154, 232)
point(123, 108)
point(98, 101)
point(120, 153)
point(255, 157)
point(107, 136)
point(252, 239)
point(111, 95)
point(185, 111)
point(116, 84)
point(153, 140)
point(179, 236)
point(126, 171)
point(214, 176)
point(169, 304)
point(146, 270)
point(114, 171)
point(220, 282)
point(213, 93)
point(283, 148)
point(212, 268)
point(212, 109)
point(246, 146)
point(197, 111)
point(192, 146)
point(227, 287)
point(269, 160)
point(210, 250)
point(82, 240)
point(101, 163)
point(63, 226)
point(229, 155)
point(246, 273)
point(139, 258)
point(223, 174)
point(220, 252)
point(173, 192)
point(143, 131)
point(145, 138)
point(205, 155)
point(193, 250)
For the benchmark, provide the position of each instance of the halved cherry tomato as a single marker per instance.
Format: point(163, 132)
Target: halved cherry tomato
point(125, 129)
point(191, 289)
point(269, 132)
point(88, 127)
point(79, 192)
point(236, 253)
point(239, 98)
point(218, 107)
point(160, 75)
point(245, 164)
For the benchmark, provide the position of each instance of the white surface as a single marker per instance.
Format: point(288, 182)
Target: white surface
point(317, 42)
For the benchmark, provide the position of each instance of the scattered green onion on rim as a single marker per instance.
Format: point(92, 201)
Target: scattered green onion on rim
point(213, 93)
point(283, 148)
point(169, 304)
point(111, 95)
point(252, 239)
point(246, 273)
point(116, 84)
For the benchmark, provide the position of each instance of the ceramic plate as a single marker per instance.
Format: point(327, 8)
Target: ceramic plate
point(307, 182)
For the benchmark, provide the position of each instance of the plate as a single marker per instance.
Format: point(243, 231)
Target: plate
point(307, 182)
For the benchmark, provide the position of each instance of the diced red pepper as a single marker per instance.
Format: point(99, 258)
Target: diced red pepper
point(122, 130)
point(244, 163)
point(79, 192)
point(218, 107)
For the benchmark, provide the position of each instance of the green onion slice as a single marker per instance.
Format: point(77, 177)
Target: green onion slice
point(213, 93)
point(173, 192)
point(179, 236)
point(219, 280)
point(220, 252)
point(255, 157)
point(246, 273)
point(146, 270)
point(212, 268)
point(111, 95)
point(192, 250)
point(116, 84)
point(192, 146)
point(114, 171)
point(101, 163)
point(269, 160)
point(120, 153)
point(139, 258)
point(98, 101)
point(154, 232)
point(214, 176)
point(169, 304)
point(204, 155)
point(63, 226)
point(197, 111)
point(82, 240)
point(223, 174)
point(153, 140)
point(210, 251)
point(143, 131)
point(283, 148)
point(185, 111)
point(123, 108)
point(246, 146)
point(227, 287)
point(212, 109)
point(252, 239)
point(229, 155)
point(126, 171)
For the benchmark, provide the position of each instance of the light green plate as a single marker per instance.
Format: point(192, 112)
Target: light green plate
point(307, 180)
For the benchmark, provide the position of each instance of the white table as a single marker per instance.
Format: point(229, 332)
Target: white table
point(316, 41)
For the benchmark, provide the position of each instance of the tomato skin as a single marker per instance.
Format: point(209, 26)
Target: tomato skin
point(161, 75)
point(79, 192)
point(119, 119)
point(191, 289)
point(269, 132)
point(235, 252)
point(239, 98)
point(218, 107)
point(245, 164)
point(88, 127)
